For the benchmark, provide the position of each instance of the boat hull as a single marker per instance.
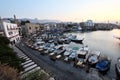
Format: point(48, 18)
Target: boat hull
point(77, 41)
point(117, 68)
point(104, 69)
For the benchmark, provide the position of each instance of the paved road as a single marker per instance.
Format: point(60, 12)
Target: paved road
point(58, 69)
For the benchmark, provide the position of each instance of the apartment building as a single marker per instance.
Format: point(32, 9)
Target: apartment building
point(10, 30)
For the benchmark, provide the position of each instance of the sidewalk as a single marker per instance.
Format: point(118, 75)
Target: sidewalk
point(29, 66)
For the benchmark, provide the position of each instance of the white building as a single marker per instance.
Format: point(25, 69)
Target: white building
point(89, 23)
point(10, 30)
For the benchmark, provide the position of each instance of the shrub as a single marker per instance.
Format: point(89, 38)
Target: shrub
point(36, 75)
point(8, 56)
point(8, 73)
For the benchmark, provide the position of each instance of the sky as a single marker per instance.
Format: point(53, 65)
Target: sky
point(64, 10)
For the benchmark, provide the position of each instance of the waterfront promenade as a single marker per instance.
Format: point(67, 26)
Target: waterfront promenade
point(58, 69)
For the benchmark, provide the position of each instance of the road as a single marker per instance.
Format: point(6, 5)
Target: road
point(57, 69)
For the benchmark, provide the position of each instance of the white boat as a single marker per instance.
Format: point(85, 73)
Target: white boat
point(73, 55)
point(41, 45)
point(66, 59)
point(58, 56)
point(46, 46)
point(94, 57)
point(68, 52)
point(72, 37)
point(84, 48)
point(82, 54)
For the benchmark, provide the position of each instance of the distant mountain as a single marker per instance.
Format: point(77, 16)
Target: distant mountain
point(35, 20)
point(40, 21)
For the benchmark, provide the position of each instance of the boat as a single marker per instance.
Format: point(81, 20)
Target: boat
point(60, 50)
point(81, 54)
point(51, 49)
point(71, 37)
point(79, 63)
point(67, 52)
point(77, 40)
point(103, 66)
point(67, 41)
point(60, 41)
point(57, 53)
point(72, 56)
point(93, 57)
point(117, 68)
point(51, 41)
point(84, 48)
point(46, 46)
point(66, 59)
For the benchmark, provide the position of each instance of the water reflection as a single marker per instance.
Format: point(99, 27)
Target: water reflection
point(116, 32)
point(103, 41)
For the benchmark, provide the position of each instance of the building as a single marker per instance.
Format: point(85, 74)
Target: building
point(30, 28)
point(1, 33)
point(10, 30)
point(89, 23)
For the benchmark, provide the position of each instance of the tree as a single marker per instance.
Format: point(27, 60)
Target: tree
point(4, 40)
point(8, 73)
point(24, 22)
point(8, 56)
point(27, 21)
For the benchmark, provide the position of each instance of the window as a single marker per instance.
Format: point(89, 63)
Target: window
point(7, 27)
point(10, 33)
point(10, 27)
point(29, 27)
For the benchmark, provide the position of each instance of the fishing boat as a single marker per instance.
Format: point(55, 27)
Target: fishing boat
point(72, 56)
point(103, 66)
point(117, 68)
point(57, 53)
point(67, 52)
point(67, 41)
point(93, 58)
point(81, 54)
point(77, 40)
point(51, 49)
point(61, 49)
point(60, 41)
point(71, 37)
point(84, 48)
point(46, 46)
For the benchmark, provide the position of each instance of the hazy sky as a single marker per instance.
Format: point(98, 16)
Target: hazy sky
point(65, 10)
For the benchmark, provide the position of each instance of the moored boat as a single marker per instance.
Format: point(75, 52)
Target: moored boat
point(93, 58)
point(77, 40)
point(72, 56)
point(103, 66)
point(117, 68)
point(57, 53)
point(68, 52)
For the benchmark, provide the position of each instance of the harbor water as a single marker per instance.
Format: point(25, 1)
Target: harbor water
point(103, 41)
